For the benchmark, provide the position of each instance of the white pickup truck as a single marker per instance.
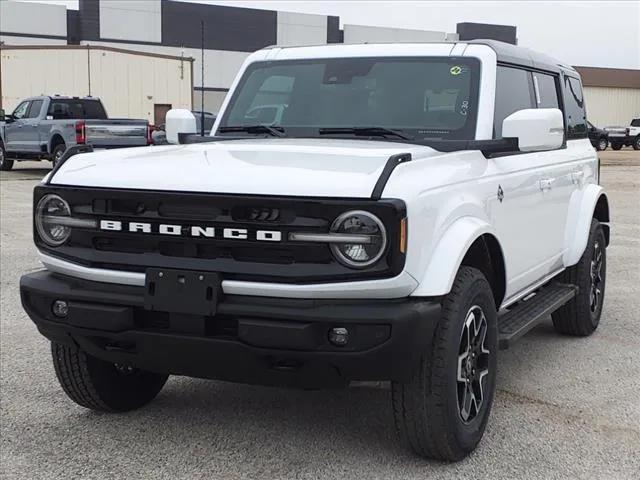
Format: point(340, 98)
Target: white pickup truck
point(625, 136)
point(406, 211)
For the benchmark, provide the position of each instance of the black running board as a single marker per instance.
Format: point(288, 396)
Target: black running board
point(525, 315)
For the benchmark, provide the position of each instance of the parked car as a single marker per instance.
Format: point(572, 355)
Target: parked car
point(414, 211)
point(598, 137)
point(159, 136)
point(625, 136)
point(45, 127)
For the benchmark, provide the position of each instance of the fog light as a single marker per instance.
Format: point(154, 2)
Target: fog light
point(60, 308)
point(339, 336)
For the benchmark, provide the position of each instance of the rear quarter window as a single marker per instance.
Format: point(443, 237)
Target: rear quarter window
point(574, 108)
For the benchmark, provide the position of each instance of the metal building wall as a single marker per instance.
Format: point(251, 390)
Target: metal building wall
point(609, 106)
point(129, 84)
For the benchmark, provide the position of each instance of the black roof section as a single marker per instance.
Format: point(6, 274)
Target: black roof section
point(508, 53)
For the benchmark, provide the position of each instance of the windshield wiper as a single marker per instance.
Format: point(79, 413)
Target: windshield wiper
point(364, 131)
point(273, 131)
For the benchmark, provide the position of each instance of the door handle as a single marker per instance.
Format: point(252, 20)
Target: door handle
point(546, 183)
point(577, 176)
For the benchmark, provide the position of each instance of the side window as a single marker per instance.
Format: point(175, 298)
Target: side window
point(21, 110)
point(545, 90)
point(59, 111)
point(514, 91)
point(574, 106)
point(34, 109)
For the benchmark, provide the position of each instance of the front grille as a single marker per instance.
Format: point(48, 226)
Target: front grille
point(243, 259)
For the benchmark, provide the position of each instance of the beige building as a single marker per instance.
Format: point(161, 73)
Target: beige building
point(612, 95)
point(131, 84)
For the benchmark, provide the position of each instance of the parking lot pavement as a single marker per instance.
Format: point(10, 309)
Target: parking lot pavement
point(565, 407)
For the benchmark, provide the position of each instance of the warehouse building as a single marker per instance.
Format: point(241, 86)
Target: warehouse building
point(171, 29)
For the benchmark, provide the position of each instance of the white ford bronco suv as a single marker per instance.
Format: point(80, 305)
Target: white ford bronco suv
point(368, 212)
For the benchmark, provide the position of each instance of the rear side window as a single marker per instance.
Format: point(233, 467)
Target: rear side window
point(545, 90)
point(76, 109)
point(34, 109)
point(514, 91)
point(574, 108)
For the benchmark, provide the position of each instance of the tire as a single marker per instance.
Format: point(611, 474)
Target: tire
point(5, 163)
point(602, 144)
point(103, 386)
point(636, 143)
point(581, 316)
point(616, 146)
point(58, 152)
point(426, 410)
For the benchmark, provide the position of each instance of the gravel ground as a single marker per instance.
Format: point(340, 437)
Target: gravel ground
point(565, 407)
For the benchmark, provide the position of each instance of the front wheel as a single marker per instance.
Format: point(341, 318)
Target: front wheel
point(636, 143)
point(5, 163)
point(602, 144)
point(581, 316)
point(103, 386)
point(442, 412)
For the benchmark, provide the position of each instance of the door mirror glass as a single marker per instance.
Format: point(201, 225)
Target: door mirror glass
point(537, 129)
point(178, 121)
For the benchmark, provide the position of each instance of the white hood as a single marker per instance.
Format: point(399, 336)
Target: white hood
point(297, 167)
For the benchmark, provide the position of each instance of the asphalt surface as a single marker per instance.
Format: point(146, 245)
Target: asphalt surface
point(565, 407)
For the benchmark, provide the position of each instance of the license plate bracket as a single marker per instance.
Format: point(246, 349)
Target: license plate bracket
point(182, 291)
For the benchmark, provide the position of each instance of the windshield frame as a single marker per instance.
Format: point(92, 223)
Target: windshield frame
point(468, 131)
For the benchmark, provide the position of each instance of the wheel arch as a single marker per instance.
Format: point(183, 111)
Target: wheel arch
point(585, 206)
point(468, 241)
point(56, 139)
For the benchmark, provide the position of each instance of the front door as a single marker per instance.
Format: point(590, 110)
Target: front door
point(14, 131)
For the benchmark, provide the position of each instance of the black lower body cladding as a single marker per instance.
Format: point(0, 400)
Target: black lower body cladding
point(256, 340)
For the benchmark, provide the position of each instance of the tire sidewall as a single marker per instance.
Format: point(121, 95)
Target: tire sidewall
point(584, 283)
point(478, 293)
point(60, 148)
point(636, 143)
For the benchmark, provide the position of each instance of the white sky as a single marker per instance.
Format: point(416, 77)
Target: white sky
point(592, 33)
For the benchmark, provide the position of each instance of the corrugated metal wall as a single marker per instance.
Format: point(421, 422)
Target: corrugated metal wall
point(128, 84)
point(608, 106)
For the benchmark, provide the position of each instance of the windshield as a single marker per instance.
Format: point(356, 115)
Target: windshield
point(422, 98)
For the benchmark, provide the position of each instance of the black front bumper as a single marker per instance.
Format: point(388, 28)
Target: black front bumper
point(257, 340)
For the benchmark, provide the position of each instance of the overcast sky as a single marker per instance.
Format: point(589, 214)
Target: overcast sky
point(598, 34)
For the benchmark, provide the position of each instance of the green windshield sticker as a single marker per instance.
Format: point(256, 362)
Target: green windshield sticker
point(455, 70)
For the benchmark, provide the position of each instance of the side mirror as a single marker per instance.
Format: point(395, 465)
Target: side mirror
point(179, 120)
point(537, 129)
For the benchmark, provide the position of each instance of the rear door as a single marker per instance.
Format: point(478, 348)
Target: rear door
point(14, 130)
point(30, 132)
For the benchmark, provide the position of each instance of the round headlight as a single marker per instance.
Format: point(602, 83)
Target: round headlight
point(51, 208)
point(359, 224)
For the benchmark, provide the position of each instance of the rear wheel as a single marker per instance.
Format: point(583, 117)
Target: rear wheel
point(5, 163)
point(58, 152)
point(103, 386)
point(636, 143)
point(581, 315)
point(443, 410)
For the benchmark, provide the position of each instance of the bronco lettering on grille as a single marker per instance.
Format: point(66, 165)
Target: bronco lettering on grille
point(191, 231)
